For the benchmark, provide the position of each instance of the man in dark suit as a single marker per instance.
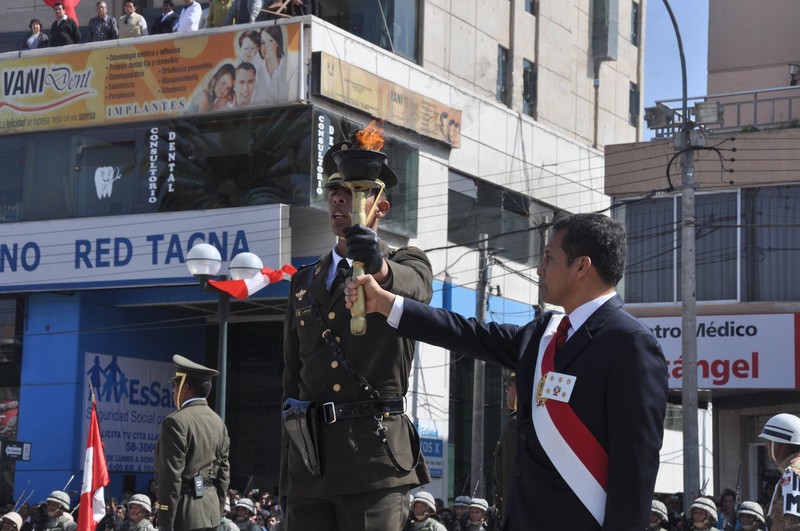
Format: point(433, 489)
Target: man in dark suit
point(166, 20)
point(588, 446)
point(191, 458)
point(368, 449)
point(64, 30)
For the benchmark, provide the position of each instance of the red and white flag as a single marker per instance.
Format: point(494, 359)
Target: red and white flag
point(95, 477)
point(241, 289)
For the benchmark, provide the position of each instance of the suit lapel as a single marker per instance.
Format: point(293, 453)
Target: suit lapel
point(581, 338)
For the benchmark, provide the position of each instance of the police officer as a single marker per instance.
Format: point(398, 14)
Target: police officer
point(658, 516)
point(750, 516)
point(58, 515)
point(782, 433)
point(139, 512)
point(245, 511)
point(367, 456)
point(191, 460)
point(423, 506)
point(702, 514)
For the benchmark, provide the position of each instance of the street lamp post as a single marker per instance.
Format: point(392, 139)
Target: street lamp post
point(204, 261)
point(691, 461)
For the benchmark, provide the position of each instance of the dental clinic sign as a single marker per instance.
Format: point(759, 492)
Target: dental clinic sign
point(735, 351)
point(135, 250)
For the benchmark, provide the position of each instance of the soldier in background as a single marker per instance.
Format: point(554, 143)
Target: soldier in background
point(750, 516)
point(191, 460)
point(782, 433)
point(139, 513)
point(58, 516)
point(658, 516)
point(423, 507)
point(460, 513)
point(245, 511)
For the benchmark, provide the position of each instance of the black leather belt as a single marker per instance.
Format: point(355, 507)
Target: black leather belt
point(331, 412)
point(188, 489)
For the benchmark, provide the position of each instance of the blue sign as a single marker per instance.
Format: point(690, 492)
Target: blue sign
point(433, 450)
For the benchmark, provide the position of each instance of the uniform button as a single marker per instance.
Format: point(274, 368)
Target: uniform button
point(522, 437)
point(338, 339)
point(302, 323)
point(517, 473)
point(331, 315)
point(337, 388)
point(334, 364)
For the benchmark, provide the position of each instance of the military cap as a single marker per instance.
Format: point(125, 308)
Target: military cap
point(14, 518)
point(247, 504)
point(141, 500)
point(60, 497)
point(192, 369)
point(329, 168)
point(426, 498)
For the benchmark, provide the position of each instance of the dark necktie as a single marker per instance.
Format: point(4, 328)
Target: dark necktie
point(127, 18)
point(341, 274)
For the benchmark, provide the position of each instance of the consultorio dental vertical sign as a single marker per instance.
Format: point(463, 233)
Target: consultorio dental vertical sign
point(133, 397)
point(735, 351)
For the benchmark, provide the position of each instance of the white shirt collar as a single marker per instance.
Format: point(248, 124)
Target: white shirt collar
point(582, 313)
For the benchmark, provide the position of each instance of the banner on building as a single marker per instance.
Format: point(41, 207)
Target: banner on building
point(135, 250)
point(735, 351)
point(133, 397)
point(152, 78)
point(383, 99)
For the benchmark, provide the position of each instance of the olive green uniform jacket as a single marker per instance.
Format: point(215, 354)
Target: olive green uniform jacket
point(194, 441)
point(352, 457)
point(778, 520)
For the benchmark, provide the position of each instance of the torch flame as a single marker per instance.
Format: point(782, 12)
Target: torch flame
point(371, 137)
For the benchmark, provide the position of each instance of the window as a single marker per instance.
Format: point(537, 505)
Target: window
point(390, 24)
point(635, 21)
point(502, 75)
point(633, 105)
point(764, 220)
point(257, 158)
point(509, 218)
point(530, 6)
point(529, 88)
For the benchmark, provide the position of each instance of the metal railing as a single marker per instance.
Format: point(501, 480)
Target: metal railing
point(751, 110)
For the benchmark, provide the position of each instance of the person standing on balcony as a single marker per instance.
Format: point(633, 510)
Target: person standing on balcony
point(190, 17)
point(243, 12)
point(103, 27)
point(131, 24)
point(64, 30)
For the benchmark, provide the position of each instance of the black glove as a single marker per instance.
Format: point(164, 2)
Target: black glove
point(362, 246)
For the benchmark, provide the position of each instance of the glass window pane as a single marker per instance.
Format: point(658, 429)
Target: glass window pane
point(649, 273)
point(771, 243)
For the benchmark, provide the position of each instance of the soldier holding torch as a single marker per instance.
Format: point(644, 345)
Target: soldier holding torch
point(349, 453)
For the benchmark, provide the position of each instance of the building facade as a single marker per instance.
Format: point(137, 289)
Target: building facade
point(118, 157)
point(746, 238)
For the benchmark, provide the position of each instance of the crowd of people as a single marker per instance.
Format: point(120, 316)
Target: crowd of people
point(706, 513)
point(65, 30)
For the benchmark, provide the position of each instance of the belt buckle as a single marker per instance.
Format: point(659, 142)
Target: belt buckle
point(329, 412)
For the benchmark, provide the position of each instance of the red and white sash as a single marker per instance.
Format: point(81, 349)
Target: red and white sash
point(573, 449)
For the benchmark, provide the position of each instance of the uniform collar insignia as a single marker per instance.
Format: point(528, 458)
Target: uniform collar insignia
point(300, 294)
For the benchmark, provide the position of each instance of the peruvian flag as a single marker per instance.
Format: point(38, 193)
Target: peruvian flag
point(95, 477)
point(241, 289)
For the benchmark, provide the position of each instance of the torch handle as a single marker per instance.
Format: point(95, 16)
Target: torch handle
point(358, 323)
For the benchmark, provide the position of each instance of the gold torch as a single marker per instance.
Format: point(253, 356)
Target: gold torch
point(360, 169)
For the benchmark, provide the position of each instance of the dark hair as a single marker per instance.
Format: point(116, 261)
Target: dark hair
point(246, 66)
point(129, 1)
point(169, 3)
point(200, 387)
point(34, 21)
point(277, 35)
point(226, 69)
point(57, 4)
point(253, 35)
point(727, 492)
point(600, 238)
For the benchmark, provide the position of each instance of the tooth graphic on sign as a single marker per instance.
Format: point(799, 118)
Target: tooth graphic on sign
point(104, 180)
